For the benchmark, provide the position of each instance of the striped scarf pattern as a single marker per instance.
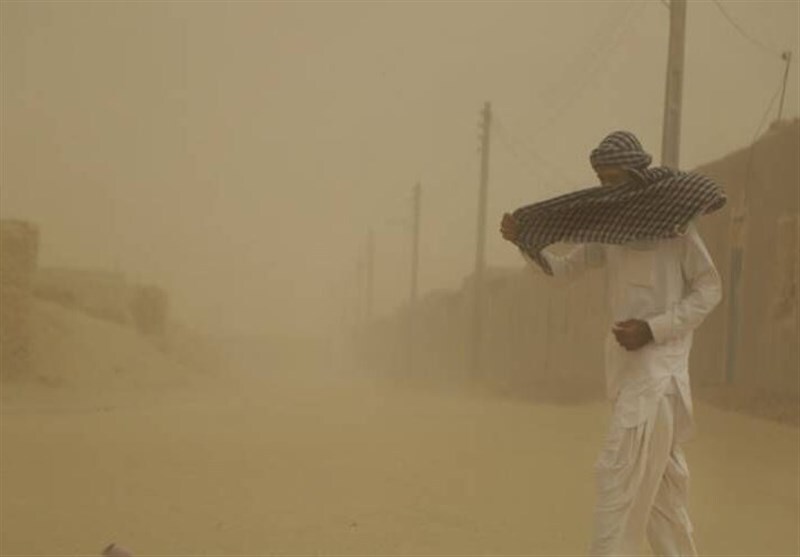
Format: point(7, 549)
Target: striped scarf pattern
point(655, 204)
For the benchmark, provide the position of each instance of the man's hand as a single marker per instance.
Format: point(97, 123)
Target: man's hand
point(509, 227)
point(632, 334)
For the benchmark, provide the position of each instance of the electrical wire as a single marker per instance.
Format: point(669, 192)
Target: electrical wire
point(523, 163)
point(600, 59)
point(515, 150)
point(744, 33)
point(767, 111)
point(751, 153)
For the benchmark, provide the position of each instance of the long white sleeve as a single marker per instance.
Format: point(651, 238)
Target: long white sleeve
point(703, 293)
point(574, 263)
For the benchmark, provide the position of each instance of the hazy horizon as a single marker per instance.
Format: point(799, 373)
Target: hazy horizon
point(237, 153)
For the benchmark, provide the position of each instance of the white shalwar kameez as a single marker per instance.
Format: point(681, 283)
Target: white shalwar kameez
point(641, 472)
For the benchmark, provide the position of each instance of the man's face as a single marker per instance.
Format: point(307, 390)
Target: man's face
point(612, 175)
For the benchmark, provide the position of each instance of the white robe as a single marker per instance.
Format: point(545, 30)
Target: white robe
point(671, 284)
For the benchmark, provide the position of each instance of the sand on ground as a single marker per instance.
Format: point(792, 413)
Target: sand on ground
point(286, 460)
point(318, 464)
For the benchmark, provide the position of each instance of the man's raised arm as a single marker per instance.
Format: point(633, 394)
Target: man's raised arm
point(570, 265)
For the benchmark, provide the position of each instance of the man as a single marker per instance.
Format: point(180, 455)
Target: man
point(661, 285)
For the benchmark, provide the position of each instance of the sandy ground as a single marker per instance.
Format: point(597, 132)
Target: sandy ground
point(269, 463)
point(279, 452)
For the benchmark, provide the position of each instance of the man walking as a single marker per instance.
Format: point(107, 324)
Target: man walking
point(661, 285)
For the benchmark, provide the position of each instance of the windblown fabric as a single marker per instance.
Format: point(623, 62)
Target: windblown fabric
point(655, 204)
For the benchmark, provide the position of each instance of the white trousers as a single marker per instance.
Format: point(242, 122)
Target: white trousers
point(642, 486)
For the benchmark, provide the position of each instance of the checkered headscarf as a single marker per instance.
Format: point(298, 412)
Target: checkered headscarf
point(620, 148)
point(654, 204)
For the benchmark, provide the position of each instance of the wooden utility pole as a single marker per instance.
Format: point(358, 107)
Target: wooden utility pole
point(480, 250)
point(787, 57)
point(670, 141)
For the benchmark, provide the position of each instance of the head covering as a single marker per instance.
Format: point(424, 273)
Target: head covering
point(620, 148)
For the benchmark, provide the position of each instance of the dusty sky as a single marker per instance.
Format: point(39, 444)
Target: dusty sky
point(237, 153)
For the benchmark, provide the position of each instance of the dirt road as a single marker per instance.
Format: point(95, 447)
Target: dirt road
point(315, 463)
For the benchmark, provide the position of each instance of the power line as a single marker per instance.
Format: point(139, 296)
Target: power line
point(744, 33)
point(450, 172)
point(766, 112)
point(596, 63)
point(599, 60)
point(447, 181)
point(514, 148)
point(523, 163)
point(751, 150)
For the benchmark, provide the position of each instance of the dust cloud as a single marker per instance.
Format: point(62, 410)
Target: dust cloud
point(210, 340)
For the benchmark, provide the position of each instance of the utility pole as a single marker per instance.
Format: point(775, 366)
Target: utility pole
point(370, 271)
point(412, 303)
point(480, 250)
point(787, 57)
point(670, 141)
